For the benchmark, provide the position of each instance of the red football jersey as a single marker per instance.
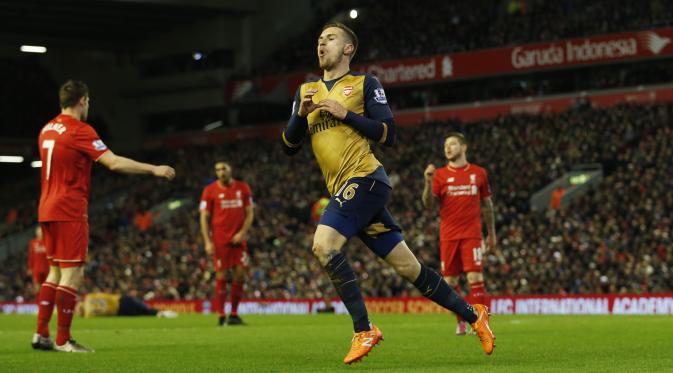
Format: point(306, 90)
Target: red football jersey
point(67, 149)
point(226, 205)
point(460, 191)
point(37, 256)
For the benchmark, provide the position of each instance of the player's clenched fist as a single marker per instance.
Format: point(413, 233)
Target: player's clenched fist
point(307, 105)
point(429, 173)
point(167, 172)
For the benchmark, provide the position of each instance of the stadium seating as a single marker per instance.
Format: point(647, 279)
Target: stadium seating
point(454, 26)
point(617, 239)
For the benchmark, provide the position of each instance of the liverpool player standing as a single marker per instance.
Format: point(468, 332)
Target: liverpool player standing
point(68, 146)
point(38, 264)
point(227, 213)
point(463, 192)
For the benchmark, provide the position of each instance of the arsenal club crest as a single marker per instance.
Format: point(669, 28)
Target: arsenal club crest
point(348, 90)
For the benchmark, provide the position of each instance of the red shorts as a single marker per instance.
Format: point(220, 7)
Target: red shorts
point(40, 277)
point(67, 242)
point(460, 256)
point(229, 256)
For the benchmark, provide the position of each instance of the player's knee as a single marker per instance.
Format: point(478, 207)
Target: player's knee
point(320, 250)
point(72, 277)
point(54, 275)
point(473, 277)
point(408, 269)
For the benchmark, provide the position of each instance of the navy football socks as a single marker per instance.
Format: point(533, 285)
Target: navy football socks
point(343, 278)
point(433, 287)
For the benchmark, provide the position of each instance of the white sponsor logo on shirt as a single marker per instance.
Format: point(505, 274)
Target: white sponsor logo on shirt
point(231, 203)
point(462, 190)
point(99, 145)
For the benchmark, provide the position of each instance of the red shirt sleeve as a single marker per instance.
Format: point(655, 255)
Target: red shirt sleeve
point(247, 195)
point(87, 141)
point(485, 187)
point(436, 185)
point(206, 201)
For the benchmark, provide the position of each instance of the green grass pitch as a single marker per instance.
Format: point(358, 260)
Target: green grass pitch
point(413, 343)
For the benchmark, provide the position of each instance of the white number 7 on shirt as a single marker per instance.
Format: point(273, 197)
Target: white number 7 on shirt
point(49, 145)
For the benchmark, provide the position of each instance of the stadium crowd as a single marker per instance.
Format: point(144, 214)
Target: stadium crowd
point(617, 238)
point(455, 26)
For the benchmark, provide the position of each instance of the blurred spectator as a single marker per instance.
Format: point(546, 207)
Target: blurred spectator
point(556, 197)
point(143, 220)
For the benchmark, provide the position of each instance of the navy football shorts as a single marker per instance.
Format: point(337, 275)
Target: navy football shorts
point(359, 208)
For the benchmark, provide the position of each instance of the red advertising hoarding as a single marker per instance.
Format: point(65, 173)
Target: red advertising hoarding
point(655, 43)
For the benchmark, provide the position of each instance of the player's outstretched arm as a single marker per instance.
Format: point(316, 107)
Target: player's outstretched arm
point(125, 165)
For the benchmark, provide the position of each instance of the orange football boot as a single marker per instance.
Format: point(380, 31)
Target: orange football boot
point(482, 328)
point(362, 343)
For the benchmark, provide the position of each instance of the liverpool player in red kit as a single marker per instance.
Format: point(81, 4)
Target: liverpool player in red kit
point(68, 146)
point(227, 213)
point(38, 264)
point(464, 194)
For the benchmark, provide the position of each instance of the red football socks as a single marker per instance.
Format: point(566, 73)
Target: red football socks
point(477, 293)
point(66, 299)
point(220, 295)
point(45, 307)
point(236, 293)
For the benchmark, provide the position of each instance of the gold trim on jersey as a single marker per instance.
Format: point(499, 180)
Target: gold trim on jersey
point(384, 136)
point(341, 151)
point(287, 142)
point(375, 229)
